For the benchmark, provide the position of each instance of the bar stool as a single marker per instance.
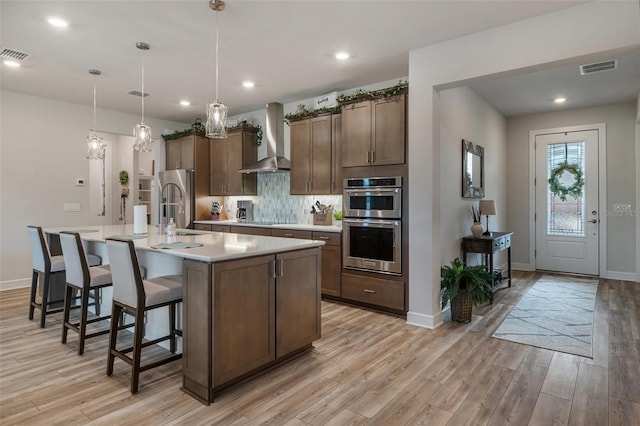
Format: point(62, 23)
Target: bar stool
point(83, 278)
point(135, 296)
point(46, 267)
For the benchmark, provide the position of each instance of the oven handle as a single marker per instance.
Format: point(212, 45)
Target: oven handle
point(373, 190)
point(374, 222)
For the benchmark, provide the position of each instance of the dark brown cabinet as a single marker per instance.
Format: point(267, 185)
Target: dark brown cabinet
point(192, 153)
point(250, 230)
point(331, 262)
point(314, 169)
point(374, 132)
point(245, 315)
point(228, 156)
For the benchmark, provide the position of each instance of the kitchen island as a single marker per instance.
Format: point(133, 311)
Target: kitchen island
point(250, 302)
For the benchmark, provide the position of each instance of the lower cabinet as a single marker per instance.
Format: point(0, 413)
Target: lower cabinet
point(374, 291)
point(331, 262)
point(242, 316)
point(250, 230)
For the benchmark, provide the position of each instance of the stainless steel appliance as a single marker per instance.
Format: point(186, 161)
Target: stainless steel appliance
point(244, 212)
point(372, 225)
point(379, 197)
point(177, 198)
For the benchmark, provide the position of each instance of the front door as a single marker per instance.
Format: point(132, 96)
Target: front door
point(567, 217)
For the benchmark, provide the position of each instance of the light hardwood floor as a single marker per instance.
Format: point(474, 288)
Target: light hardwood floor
point(368, 368)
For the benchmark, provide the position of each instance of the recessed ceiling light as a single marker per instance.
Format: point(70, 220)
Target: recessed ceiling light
point(57, 22)
point(185, 103)
point(10, 63)
point(342, 56)
point(248, 84)
point(560, 100)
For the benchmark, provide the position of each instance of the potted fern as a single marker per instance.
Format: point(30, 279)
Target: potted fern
point(463, 285)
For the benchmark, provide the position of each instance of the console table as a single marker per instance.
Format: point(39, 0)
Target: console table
point(488, 245)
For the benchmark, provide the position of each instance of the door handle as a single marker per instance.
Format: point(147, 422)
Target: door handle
point(594, 221)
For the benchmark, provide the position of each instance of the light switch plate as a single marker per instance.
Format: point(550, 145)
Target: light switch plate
point(71, 207)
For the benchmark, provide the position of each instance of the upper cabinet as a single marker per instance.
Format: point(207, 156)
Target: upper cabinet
point(315, 163)
point(374, 132)
point(228, 156)
point(182, 152)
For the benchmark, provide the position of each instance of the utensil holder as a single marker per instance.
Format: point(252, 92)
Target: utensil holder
point(323, 218)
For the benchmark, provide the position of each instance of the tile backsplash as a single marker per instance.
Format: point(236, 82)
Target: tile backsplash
point(274, 203)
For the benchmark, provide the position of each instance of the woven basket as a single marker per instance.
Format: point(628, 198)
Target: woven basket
point(461, 307)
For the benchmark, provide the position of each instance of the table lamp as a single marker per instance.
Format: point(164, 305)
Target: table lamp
point(488, 208)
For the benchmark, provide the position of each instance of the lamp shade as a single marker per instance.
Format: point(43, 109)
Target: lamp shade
point(487, 207)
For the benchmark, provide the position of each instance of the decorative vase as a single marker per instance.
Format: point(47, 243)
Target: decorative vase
point(477, 229)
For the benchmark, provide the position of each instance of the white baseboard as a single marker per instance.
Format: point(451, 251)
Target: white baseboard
point(623, 276)
point(11, 284)
point(425, 321)
point(521, 267)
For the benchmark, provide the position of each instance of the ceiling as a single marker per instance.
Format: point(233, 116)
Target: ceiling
point(285, 47)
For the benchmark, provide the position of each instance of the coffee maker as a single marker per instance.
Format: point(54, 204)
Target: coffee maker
point(244, 211)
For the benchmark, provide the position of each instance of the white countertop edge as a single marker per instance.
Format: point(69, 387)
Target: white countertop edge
point(294, 226)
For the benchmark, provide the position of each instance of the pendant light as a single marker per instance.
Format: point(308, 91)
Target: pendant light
point(216, 111)
point(94, 142)
point(142, 132)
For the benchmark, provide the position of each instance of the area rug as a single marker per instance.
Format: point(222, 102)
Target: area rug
point(556, 313)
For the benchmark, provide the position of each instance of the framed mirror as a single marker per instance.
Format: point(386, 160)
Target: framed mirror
point(472, 170)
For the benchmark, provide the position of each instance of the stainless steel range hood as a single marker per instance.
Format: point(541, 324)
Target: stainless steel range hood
point(275, 160)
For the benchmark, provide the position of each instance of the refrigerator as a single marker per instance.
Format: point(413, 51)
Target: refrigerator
point(177, 198)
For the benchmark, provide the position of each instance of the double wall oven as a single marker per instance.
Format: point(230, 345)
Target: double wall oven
point(372, 225)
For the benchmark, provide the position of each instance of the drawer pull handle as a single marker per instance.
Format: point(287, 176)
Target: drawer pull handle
point(324, 238)
point(366, 290)
point(288, 235)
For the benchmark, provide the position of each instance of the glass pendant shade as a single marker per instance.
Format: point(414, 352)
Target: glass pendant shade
point(216, 120)
point(142, 137)
point(95, 147)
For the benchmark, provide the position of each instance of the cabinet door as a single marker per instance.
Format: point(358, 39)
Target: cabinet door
point(249, 157)
point(187, 153)
point(243, 317)
point(356, 134)
point(297, 300)
point(336, 154)
point(300, 161)
point(250, 230)
point(331, 270)
point(320, 159)
point(217, 166)
point(234, 163)
point(174, 155)
point(388, 142)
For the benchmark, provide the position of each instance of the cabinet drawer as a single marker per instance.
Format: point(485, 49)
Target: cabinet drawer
point(329, 238)
point(201, 227)
point(220, 228)
point(249, 230)
point(374, 291)
point(291, 233)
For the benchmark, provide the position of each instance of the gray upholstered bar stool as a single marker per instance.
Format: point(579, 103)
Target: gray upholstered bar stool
point(83, 278)
point(135, 296)
point(46, 266)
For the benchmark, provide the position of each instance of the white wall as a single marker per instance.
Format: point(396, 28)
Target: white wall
point(464, 115)
point(551, 40)
point(621, 176)
point(43, 150)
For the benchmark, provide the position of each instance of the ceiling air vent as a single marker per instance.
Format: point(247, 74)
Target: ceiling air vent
point(611, 64)
point(14, 55)
point(137, 93)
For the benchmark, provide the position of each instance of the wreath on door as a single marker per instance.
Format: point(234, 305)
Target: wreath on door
point(562, 191)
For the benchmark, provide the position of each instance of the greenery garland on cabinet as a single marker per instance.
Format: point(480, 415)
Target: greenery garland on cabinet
point(558, 189)
point(361, 94)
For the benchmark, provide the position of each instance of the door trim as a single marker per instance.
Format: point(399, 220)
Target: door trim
point(602, 188)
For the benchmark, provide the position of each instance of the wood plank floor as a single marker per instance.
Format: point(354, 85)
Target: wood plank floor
point(368, 368)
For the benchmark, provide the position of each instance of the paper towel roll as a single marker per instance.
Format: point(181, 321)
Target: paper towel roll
point(139, 219)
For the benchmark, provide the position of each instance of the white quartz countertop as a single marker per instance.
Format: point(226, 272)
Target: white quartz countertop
point(298, 226)
point(216, 246)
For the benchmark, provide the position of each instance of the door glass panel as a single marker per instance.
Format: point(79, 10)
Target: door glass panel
point(565, 192)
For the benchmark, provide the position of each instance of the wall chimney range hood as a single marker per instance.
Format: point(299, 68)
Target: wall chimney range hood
point(275, 160)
